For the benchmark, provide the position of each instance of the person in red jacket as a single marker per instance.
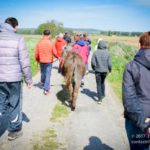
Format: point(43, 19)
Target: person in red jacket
point(59, 44)
point(44, 52)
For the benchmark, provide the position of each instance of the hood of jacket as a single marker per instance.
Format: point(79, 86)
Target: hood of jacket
point(81, 42)
point(143, 57)
point(6, 27)
point(102, 45)
point(60, 39)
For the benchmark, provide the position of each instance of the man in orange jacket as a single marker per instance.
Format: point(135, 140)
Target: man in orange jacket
point(44, 52)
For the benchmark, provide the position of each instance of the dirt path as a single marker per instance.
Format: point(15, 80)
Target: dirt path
point(90, 127)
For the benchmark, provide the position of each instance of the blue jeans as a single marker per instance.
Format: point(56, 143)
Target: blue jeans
point(46, 69)
point(138, 140)
point(11, 104)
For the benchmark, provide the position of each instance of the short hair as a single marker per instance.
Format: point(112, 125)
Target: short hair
point(76, 37)
point(12, 21)
point(144, 39)
point(85, 35)
point(46, 32)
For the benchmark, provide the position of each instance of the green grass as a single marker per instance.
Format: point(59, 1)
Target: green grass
point(121, 54)
point(31, 42)
point(48, 141)
point(59, 112)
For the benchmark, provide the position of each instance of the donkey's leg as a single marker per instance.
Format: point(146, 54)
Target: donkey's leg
point(75, 94)
point(70, 90)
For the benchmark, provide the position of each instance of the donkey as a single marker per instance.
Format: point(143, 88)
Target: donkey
point(73, 69)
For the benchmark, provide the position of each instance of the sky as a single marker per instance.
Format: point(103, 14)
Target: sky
point(114, 15)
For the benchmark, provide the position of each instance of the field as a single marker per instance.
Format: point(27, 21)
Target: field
point(120, 39)
point(122, 50)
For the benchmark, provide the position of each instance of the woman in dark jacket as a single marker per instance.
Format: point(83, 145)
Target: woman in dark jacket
point(136, 96)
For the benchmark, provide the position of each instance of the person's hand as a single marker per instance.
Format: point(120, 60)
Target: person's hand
point(60, 59)
point(29, 85)
point(148, 132)
point(147, 120)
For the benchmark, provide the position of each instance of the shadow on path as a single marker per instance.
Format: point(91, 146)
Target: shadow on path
point(39, 85)
point(62, 95)
point(96, 144)
point(55, 67)
point(91, 71)
point(89, 93)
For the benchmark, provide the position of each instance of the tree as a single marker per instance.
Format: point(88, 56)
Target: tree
point(54, 27)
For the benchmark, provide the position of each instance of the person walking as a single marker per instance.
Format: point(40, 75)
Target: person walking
point(101, 64)
point(82, 49)
point(14, 64)
point(67, 37)
point(44, 52)
point(88, 43)
point(136, 96)
point(60, 45)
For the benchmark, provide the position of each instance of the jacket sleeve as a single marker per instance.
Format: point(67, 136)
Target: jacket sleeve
point(93, 62)
point(37, 53)
point(132, 106)
point(24, 61)
point(109, 63)
point(54, 51)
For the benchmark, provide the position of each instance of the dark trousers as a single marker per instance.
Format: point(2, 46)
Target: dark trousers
point(138, 140)
point(100, 82)
point(11, 104)
point(45, 75)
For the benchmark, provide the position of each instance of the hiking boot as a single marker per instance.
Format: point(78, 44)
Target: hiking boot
point(14, 135)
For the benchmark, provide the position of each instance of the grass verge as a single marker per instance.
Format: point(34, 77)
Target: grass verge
point(59, 112)
point(121, 54)
point(48, 141)
point(31, 42)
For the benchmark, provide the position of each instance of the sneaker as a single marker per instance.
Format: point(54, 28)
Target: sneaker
point(99, 101)
point(82, 83)
point(67, 102)
point(87, 72)
point(14, 135)
point(46, 92)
